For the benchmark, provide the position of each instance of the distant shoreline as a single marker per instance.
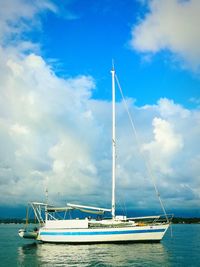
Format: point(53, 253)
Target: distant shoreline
point(175, 220)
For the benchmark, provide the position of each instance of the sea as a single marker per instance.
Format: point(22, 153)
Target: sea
point(180, 247)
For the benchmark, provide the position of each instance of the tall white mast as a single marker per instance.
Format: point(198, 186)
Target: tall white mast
point(113, 142)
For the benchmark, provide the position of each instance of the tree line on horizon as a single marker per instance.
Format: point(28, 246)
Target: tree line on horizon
point(175, 220)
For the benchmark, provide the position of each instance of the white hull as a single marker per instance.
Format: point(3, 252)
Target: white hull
point(103, 235)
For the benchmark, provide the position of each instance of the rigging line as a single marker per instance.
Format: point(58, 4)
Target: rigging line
point(122, 206)
point(139, 145)
point(27, 215)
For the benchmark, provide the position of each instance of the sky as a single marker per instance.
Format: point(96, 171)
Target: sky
point(55, 103)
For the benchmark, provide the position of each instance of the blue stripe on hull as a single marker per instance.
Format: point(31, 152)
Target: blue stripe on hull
point(105, 233)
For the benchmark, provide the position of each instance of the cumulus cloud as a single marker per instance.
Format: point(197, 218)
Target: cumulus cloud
point(54, 135)
point(40, 118)
point(41, 115)
point(170, 25)
point(21, 16)
point(165, 145)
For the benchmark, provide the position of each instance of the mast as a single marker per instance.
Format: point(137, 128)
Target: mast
point(113, 143)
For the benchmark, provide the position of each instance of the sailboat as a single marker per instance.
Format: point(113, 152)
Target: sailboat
point(55, 228)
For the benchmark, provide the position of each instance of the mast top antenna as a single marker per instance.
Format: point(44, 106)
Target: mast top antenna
point(113, 65)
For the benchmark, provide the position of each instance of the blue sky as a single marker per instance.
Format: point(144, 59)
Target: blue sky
point(55, 101)
point(97, 32)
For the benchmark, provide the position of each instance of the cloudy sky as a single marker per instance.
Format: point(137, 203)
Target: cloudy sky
point(55, 102)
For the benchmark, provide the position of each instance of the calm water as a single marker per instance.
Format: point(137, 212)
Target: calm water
point(181, 250)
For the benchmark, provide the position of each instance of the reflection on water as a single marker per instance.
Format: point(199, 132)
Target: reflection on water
point(93, 255)
point(181, 250)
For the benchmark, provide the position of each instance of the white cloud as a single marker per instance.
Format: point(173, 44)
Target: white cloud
point(169, 141)
point(18, 129)
point(168, 108)
point(20, 16)
point(42, 115)
point(72, 165)
point(164, 147)
point(170, 25)
point(53, 134)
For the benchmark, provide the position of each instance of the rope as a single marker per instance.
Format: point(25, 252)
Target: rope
point(139, 145)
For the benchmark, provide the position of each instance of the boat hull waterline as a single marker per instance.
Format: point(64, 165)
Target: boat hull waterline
point(141, 233)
